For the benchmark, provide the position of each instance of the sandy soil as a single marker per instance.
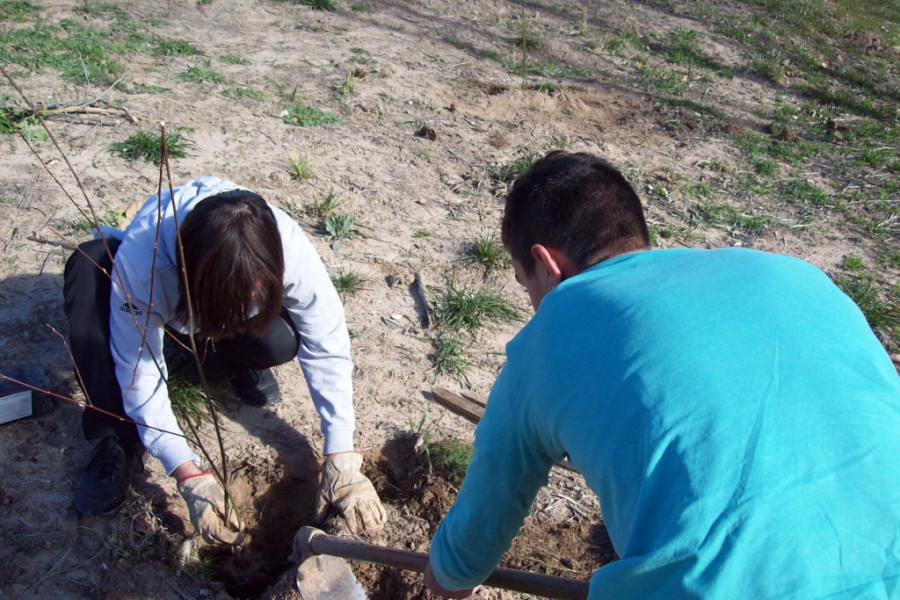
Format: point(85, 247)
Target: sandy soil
point(418, 203)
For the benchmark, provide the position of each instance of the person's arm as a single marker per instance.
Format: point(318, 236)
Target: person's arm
point(508, 468)
point(136, 344)
point(324, 355)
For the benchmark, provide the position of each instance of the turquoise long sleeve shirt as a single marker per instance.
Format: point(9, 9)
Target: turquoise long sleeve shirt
point(732, 410)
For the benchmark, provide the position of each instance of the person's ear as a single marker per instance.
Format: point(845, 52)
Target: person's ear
point(554, 263)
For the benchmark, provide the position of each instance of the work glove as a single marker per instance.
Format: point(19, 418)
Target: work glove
point(206, 503)
point(345, 487)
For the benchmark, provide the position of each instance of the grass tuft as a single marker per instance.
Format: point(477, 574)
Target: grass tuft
point(325, 205)
point(301, 165)
point(450, 458)
point(883, 316)
point(147, 145)
point(460, 307)
point(448, 357)
point(307, 116)
point(348, 283)
point(487, 252)
point(508, 172)
point(189, 401)
point(201, 74)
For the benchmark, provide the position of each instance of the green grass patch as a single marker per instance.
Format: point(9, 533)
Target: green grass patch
point(142, 88)
point(23, 122)
point(507, 173)
point(450, 458)
point(328, 5)
point(459, 307)
point(201, 73)
point(79, 51)
point(243, 93)
point(487, 252)
point(325, 205)
point(234, 59)
point(883, 316)
point(105, 216)
point(189, 400)
point(448, 356)
point(147, 145)
point(348, 282)
point(175, 48)
point(724, 214)
point(18, 10)
point(307, 116)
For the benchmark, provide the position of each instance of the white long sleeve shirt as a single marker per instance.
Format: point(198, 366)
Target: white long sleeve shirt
point(145, 277)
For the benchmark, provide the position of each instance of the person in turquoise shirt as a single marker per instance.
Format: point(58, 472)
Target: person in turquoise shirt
point(732, 410)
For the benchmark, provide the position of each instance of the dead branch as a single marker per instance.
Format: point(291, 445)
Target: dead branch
point(97, 107)
point(67, 245)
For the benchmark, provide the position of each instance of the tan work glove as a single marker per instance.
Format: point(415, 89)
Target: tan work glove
point(345, 487)
point(206, 503)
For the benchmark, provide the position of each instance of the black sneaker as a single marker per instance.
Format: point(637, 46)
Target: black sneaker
point(256, 388)
point(103, 485)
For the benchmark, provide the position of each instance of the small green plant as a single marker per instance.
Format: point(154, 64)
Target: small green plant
point(853, 262)
point(18, 10)
point(175, 48)
point(507, 173)
point(147, 145)
point(142, 88)
point(450, 458)
point(348, 282)
point(105, 216)
point(325, 205)
point(448, 357)
point(883, 316)
point(31, 130)
point(328, 5)
point(339, 227)
point(422, 233)
point(304, 116)
point(201, 74)
point(346, 86)
point(301, 165)
point(360, 7)
point(242, 93)
point(234, 59)
point(189, 401)
point(487, 252)
point(459, 307)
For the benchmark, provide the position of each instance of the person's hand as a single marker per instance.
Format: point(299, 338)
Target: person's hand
point(206, 503)
point(436, 588)
point(348, 490)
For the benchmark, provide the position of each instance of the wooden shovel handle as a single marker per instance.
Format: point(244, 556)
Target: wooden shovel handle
point(547, 586)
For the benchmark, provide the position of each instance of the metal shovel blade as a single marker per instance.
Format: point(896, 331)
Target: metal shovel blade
point(325, 577)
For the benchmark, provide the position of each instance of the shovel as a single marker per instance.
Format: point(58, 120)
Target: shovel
point(322, 575)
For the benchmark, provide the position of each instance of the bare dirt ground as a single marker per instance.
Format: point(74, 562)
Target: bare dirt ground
point(418, 202)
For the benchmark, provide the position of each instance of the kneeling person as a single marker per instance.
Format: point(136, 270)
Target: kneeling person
point(217, 259)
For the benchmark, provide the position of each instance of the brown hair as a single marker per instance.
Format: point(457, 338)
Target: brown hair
point(576, 203)
point(234, 261)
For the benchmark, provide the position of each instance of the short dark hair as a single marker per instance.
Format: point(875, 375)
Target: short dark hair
point(577, 203)
point(234, 261)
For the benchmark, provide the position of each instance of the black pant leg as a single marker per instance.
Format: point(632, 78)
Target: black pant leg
point(276, 346)
point(86, 291)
